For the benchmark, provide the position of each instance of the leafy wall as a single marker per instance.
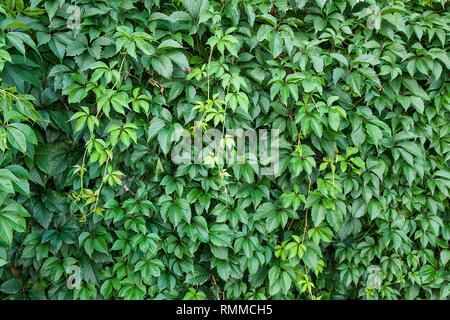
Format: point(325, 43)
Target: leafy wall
point(95, 95)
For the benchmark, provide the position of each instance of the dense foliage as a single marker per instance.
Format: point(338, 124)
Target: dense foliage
point(95, 94)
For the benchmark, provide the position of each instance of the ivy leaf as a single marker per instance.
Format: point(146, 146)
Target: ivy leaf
point(17, 139)
point(415, 89)
point(163, 66)
point(276, 44)
point(155, 127)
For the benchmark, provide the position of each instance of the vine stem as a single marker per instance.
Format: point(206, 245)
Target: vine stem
point(7, 92)
point(104, 173)
point(209, 66)
point(304, 228)
point(82, 167)
point(306, 213)
point(107, 157)
point(120, 70)
point(312, 296)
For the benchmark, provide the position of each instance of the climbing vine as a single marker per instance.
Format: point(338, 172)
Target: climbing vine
point(96, 96)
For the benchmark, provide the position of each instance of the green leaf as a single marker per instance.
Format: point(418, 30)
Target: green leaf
point(318, 214)
point(163, 66)
point(169, 44)
point(339, 57)
point(415, 89)
point(365, 58)
point(6, 231)
point(11, 286)
point(264, 32)
point(374, 132)
point(17, 139)
point(155, 127)
point(276, 44)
